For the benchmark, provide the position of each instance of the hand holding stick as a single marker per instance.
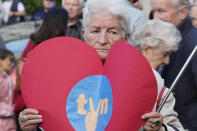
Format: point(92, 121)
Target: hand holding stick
point(177, 78)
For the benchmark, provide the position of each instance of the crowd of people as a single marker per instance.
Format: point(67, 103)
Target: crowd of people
point(166, 42)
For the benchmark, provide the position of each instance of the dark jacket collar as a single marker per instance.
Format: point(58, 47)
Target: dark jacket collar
point(185, 26)
point(77, 25)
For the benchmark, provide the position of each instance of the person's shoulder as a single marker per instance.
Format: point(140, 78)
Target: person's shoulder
point(136, 16)
point(21, 3)
point(79, 23)
point(188, 27)
point(189, 33)
point(38, 15)
point(156, 74)
point(136, 11)
point(194, 31)
point(160, 81)
point(20, 6)
point(191, 38)
point(39, 12)
point(2, 78)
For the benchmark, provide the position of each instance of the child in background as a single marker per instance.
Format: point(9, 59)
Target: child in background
point(7, 120)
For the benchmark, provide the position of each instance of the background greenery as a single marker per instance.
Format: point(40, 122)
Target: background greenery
point(34, 5)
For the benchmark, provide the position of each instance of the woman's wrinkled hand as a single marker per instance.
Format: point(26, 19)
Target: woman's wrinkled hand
point(154, 121)
point(29, 119)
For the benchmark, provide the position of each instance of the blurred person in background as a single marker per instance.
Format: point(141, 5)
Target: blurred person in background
point(177, 13)
point(137, 18)
point(142, 5)
point(50, 28)
point(47, 4)
point(193, 14)
point(1, 13)
point(74, 9)
point(7, 62)
point(14, 11)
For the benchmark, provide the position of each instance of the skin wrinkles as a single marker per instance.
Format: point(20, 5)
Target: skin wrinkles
point(157, 57)
point(102, 32)
point(165, 10)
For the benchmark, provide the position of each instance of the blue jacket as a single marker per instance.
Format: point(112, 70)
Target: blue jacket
point(186, 89)
point(39, 15)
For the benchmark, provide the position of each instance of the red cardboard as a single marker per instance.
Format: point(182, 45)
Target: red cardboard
point(56, 76)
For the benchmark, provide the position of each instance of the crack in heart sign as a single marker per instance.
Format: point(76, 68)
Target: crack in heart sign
point(66, 81)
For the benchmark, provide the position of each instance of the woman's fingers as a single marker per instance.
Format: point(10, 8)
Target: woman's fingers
point(151, 115)
point(29, 119)
point(29, 111)
point(153, 122)
point(32, 122)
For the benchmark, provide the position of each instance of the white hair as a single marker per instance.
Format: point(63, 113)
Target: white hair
point(180, 3)
point(157, 34)
point(116, 7)
point(81, 3)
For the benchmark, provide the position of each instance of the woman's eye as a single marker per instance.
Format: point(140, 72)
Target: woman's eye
point(165, 55)
point(161, 10)
point(113, 32)
point(94, 31)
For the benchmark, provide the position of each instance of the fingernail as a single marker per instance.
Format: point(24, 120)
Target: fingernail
point(142, 117)
point(40, 116)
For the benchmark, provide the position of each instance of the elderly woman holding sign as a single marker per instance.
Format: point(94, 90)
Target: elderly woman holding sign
point(105, 22)
point(156, 41)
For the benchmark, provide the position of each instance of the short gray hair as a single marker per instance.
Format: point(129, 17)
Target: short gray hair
point(115, 7)
point(81, 3)
point(180, 3)
point(157, 34)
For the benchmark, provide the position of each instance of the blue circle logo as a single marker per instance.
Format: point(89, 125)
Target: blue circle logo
point(89, 104)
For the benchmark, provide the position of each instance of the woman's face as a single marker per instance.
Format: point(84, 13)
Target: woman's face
point(49, 4)
point(103, 31)
point(157, 57)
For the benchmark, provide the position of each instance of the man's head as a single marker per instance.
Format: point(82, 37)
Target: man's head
point(193, 14)
point(73, 7)
point(172, 11)
point(104, 23)
point(49, 4)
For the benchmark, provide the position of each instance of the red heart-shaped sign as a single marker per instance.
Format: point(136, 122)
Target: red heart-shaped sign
point(65, 80)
